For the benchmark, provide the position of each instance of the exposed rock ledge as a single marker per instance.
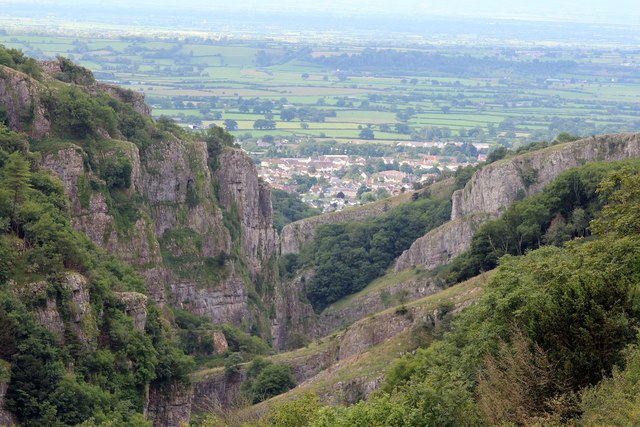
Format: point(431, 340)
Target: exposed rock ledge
point(440, 245)
point(499, 184)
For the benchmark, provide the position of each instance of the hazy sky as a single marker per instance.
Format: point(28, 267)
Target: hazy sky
point(609, 11)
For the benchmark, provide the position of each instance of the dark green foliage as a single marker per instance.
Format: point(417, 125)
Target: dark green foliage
point(348, 256)
point(216, 139)
point(264, 379)
point(195, 332)
point(496, 154)
point(77, 401)
point(15, 59)
point(242, 342)
point(116, 172)
point(123, 208)
point(11, 141)
point(463, 175)
point(75, 113)
point(288, 208)
point(549, 324)
point(72, 73)
point(103, 374)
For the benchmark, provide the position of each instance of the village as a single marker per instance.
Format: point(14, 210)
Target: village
point(334, 182)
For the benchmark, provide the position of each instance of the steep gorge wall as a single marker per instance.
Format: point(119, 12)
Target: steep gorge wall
point(499, 184)
point(20, 97)
point(295, 235)
point(174, 184)
point(243, 194)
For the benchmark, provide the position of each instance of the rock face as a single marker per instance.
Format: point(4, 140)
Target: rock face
point(220, 344)
point(242, 193)
point(170, 405)
point(336, 317)
point(499, 184)
point(294, 318)
point(174, 181)
point(19, 95)
point(217, 391)
point(136, 307)
point(49, 313)
point(225, 303)
point(296, 234)
point(6, 417)
point(90, 211)
point(440, 245)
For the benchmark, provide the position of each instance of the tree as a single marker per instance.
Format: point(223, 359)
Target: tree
point(288, 114)
point(264, 124)
point(367, 133)
point(16, 183)
point(230, 125)
point(271, 381)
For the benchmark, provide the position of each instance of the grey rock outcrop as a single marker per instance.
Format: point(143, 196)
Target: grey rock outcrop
point(361, 306)
point(217, 390)
point(241, 191)
point(441, 244)
point(48, 314)
point(19, 95)
point(6, 418)
point(169, 405)
point(136, 307)
point(293, 317)
point(499, 184)
point(227, 302)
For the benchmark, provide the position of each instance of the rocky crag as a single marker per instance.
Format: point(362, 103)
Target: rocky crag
point(499, 184)
point(202, 241)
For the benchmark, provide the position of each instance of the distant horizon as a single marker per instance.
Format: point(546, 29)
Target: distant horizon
point(625, 12)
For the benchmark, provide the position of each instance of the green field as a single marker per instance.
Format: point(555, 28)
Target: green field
point(196, 80)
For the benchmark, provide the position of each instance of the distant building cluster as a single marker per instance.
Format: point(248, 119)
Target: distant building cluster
point(332, 182)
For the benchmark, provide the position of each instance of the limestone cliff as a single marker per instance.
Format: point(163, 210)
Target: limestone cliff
point(440, 245)
point(20, 97)
point(294, 322)
point(368, 302)
point(330, 366)
point(179, 225)
point(499, 184)
point(169, 405)
point(48, 314)
point(241, 193)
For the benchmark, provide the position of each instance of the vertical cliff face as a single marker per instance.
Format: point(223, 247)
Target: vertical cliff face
point(19, 96)
point(48, 314)
point(6, 417)
point(170, 405)
point(241, 193)
point(294, 319)
point(440, 245)
point(499, 184)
